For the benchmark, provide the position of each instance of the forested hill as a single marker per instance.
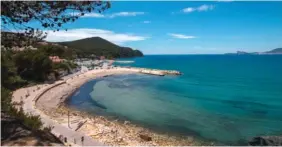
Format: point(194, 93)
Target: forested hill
point(101, 47)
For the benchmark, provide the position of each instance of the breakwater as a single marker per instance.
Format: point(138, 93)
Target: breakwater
point(157, 72)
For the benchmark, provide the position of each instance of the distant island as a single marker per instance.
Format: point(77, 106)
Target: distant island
point(277, 51)
point(100, 47)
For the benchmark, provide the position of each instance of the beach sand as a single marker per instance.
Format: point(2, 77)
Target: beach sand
point(51, 104)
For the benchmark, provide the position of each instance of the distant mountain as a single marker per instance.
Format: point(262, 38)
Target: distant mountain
point(271, 52)
point(101, 47)
point(275, 51)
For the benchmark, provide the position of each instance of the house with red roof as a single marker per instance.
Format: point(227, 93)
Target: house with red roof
point(56, 59)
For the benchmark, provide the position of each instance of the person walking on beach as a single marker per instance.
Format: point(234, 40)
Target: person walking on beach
point(82, 139)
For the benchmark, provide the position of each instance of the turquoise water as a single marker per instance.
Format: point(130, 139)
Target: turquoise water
point(227, 99)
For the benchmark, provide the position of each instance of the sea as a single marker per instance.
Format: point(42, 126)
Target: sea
point(226, 99)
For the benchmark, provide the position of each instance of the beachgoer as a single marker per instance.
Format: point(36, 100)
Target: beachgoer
point(82, 139)
point(61, 137)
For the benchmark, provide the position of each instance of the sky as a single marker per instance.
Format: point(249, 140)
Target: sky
point(183, 27)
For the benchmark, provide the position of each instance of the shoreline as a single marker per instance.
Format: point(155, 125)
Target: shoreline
point(123, 132)
point(51, 103)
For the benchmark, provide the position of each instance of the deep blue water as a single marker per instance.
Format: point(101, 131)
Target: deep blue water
point(223, 98)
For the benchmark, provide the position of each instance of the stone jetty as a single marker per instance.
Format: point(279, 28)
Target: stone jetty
point(156, 71)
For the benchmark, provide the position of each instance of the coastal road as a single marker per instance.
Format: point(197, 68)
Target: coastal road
point(59, 130)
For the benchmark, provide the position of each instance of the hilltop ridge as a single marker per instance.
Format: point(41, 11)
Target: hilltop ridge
point(101, 47)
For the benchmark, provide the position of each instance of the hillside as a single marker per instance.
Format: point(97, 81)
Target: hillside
point(101, 47)
point(15, 133)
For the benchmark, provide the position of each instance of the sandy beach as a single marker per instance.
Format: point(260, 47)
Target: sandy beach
point(47, 100)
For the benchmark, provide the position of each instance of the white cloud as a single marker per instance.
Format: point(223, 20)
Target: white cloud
point(113, 15)
point(146, 21)
point(181, 36)
point(190, 9)
point(199, 9)
point(75, 34)
point(123, 14)
point(97, 15)
point(205, 7)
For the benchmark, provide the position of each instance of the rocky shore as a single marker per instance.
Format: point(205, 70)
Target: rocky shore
point(116, 132)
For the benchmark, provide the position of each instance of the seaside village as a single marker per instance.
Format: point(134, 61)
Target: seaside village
point(82, 64)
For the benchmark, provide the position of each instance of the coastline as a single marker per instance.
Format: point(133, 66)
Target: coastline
point(122, 132)
point(52, 104)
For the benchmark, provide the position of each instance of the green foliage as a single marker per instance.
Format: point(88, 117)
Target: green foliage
point(47, 129)
point(32, 64)
point(72, 65)
point(41, 65)
point(15, 81)
point(138, 53)
point(52, 50)
point(56, 50)
point(61, 66)
point(19, 69)
point(9, 76)
point(5, 99)
point(100, 47)
point(33, 122)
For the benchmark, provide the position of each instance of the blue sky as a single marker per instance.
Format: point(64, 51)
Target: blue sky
point(183, 27)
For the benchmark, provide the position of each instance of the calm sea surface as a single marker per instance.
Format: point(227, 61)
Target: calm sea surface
point(223, 98)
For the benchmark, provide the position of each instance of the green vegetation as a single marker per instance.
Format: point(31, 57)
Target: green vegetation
point(23, 68)
point(7, 107)
point(100, 47)
point(50, 49)
point(10, 78)
point(32, 65)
